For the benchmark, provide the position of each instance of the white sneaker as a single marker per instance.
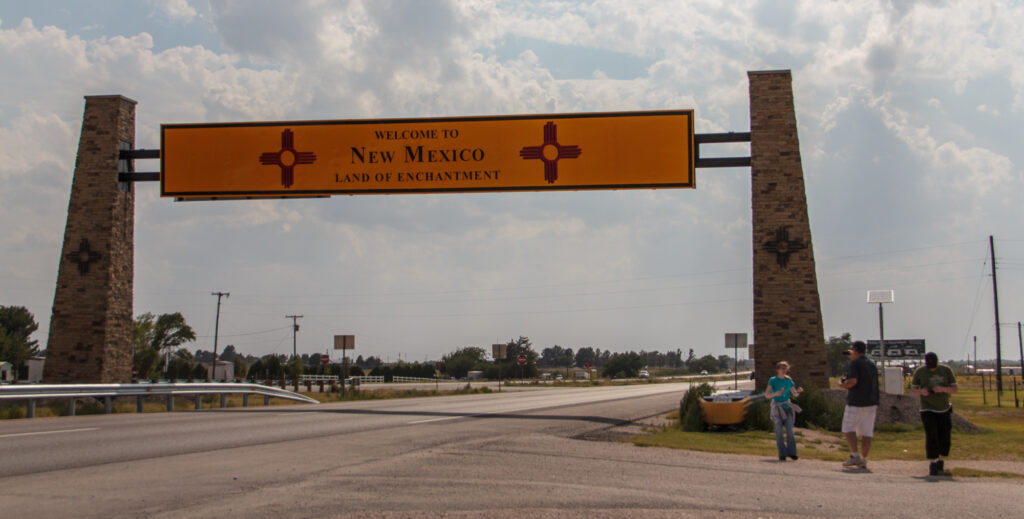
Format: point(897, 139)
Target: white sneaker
point(855, 461)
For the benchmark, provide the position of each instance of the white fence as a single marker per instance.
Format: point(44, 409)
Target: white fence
point(412, 379)
point(370, 380)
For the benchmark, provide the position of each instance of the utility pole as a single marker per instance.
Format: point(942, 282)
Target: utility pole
point(295, 329)
point(975, 354)
point(1020, 342)
point(995, 299)
point(216, 332)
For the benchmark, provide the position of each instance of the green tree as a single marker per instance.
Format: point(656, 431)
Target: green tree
point(295, 368)
point(16, 326)
point(228, 354)
point(623, 365)
point(522, 346)
point(706, 363)
point(241, 368)
point(153, 336)
point(835, 350)
point(585, 355)
point(459, 362)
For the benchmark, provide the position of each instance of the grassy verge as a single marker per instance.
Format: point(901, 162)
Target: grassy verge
point(1002, 437)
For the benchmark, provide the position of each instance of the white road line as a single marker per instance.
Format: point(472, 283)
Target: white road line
point(442, 419)
point(49, 432)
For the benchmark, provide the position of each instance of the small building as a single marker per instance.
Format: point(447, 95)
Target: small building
point(34, 366)
point(225, 371)
point(475, 375)
point(7, 373)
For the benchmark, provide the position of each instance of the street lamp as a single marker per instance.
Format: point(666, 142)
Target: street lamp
point(881, 297)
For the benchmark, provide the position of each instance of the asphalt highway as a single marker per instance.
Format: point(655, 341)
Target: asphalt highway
point(545, 452)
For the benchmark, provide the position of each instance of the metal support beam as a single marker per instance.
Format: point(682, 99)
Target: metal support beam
point(718, 138)
point(223, 401)
point(30, 409)
point(139, 154)
point(199, 402)
point(71, 407)
point(108, 405)
point(245, 400)
point(148, 176)
point(139, 405)
point(170, 403)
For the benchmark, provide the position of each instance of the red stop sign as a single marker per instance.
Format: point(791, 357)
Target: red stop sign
point(521, 360)
point(325, 359)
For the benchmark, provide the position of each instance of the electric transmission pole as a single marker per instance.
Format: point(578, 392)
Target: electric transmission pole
point(295, 329)
point(216, 330)
point(999, 342)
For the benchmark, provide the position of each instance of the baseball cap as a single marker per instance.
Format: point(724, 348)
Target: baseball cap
point(859, 346)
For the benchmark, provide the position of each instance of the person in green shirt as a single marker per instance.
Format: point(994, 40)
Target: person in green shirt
point(934, 382)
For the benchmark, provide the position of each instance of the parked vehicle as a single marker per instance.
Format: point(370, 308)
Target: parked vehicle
point(644, 374)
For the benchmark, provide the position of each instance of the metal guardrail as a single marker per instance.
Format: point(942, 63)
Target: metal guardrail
point(107, 392)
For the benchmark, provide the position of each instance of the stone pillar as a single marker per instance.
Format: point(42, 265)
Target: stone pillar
point(91, 325)
point(787, 308)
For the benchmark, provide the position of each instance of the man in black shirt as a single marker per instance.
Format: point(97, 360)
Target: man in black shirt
point(861, 383)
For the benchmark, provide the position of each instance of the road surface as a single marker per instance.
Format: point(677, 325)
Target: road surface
point(543, 452)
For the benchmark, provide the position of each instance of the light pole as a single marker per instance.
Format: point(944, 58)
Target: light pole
point(216, 331)
point(881, 297)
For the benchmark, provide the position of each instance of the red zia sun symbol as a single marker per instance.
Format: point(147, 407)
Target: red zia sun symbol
point(550, 152)
point(287, 158)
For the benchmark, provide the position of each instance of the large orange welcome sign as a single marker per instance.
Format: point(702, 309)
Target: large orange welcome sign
point(628, 150)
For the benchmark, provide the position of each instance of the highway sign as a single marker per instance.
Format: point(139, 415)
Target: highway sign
point(622, 150)
point(521, 360)
point(735, 340)
point(344, 342)
point(499, 351)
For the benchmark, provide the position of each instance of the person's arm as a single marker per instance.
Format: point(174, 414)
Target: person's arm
point(768, 392)
point(915, 384)
point(848, 383)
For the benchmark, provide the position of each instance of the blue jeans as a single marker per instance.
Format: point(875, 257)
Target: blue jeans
point(790, 439)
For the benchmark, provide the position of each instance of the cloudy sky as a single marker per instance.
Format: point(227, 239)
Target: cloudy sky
point(910, 117)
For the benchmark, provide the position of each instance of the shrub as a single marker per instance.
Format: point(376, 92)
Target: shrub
point(819, 410)
point(758, 415)
point(690, 418)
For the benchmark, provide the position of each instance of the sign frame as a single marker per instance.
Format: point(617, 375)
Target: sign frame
point(344, 342)
point(299, 157)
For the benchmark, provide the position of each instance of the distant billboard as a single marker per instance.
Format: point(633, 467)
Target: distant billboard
point(898, 348)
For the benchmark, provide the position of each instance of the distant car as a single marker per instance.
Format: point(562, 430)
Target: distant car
point(911, 352)
point(894, 352)
point(644, 374)
point(703, 372)
point(559, 377)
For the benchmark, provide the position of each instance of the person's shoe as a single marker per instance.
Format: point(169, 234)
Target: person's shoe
point(794, 456)
point(782, 458)
point(933, 468)
point(862, 462)
point(853, 462)
point(940, 467)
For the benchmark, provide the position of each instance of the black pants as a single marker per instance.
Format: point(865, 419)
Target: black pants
point(937, 429)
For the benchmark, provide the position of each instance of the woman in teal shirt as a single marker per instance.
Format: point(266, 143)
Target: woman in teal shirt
point(783, 412)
